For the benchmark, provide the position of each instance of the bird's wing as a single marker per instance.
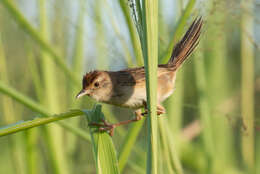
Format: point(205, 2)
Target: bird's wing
point(132, 76)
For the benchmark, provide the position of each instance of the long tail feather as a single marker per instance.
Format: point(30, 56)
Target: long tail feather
point(188, 43)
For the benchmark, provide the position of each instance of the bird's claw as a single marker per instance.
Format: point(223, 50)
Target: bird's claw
point(104, 127)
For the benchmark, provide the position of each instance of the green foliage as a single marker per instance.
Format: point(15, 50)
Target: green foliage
point(23, 125)
point(150, 52)
point(25, 25)
point(102, 145)
point(211, 125)
point(26, 101)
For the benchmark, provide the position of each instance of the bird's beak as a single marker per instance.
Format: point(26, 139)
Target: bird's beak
point(81, 93)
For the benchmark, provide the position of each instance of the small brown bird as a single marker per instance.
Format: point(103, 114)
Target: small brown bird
point(126, 88)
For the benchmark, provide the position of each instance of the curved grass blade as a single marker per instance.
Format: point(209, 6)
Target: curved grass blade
point(5, 89)
point(23, 125)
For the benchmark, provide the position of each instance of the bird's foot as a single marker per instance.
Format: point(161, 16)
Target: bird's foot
point(105, 127)
point(160, 111)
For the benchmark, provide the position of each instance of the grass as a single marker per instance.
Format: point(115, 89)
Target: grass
point(25, 25)
point(150, 52)
point(102, 145)
point(247, 87)
point(23, 125)
point(45, 51)
point(38, 108)
point(204, 110)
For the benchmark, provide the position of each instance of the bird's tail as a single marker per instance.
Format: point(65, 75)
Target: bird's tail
point(188, 43)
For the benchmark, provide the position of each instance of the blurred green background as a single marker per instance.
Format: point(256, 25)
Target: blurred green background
point(212, 123)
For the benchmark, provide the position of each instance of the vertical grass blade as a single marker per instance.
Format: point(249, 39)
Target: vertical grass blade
point(32, 151)
point(129, 143)
point(102, 145)
point(54, 133)
point(9, 116)
point(32, 135)
point(172, 146)
point(150, 52)
point(102, 60)
point(77, 65)
point(247, 84)
point(204, 111)
point(165, 147)
point(218, 88)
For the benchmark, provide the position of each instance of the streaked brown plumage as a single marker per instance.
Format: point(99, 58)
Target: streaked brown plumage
point(126, 88)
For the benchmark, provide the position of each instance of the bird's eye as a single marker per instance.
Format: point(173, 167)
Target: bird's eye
point(96, 84)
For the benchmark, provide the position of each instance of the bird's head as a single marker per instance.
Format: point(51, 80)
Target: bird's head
point(97, 85)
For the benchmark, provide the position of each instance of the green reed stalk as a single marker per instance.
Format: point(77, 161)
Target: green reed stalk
point(101, 48)
point(150, 52)
point(33, 69)
point(77, 65)
point(9, 116)
point(218, 88)
point(247, 84)
point(54, 133)
point(32, 153)
point(204, 111)
point(165, 147)
point(32, 135)
point(172, 146)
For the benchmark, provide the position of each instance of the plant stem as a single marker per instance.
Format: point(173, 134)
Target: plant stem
point(204, 109)
point(150, 52)
point(247, 84)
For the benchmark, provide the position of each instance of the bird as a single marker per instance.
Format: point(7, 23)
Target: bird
point(127, 88)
